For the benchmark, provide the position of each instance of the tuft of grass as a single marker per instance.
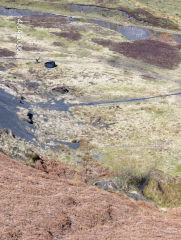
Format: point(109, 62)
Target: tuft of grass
point(163, 189)
point(178, 169)
point(164, 6)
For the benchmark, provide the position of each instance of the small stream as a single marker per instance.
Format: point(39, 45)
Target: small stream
point(130, 32)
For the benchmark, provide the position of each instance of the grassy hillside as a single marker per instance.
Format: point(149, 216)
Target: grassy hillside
point(98, 65)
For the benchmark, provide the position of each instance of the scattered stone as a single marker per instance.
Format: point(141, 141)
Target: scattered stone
point(30, 116)
point(37, 60)
point(91, 177)
point(33, 158)
point(106, 185)
point(97, 121)
point(50, 64)
point(61, 90)
point(75, 140)
point(163, 188)
point(4, 131)
point(22, 99)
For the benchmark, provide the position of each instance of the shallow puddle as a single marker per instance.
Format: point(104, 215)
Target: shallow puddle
point(130, 32)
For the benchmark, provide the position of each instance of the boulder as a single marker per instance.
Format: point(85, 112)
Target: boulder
point(50, 64)
point(106, 185)
point(163, 189)
point(61, 90)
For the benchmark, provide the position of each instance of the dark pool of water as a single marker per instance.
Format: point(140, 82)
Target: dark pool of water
point(129, 32)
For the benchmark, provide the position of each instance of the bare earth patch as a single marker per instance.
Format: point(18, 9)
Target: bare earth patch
point(31, 48)
point(70, 35)
point(44, 21)
point(179, 46)
point(150, 51)
point(58, 44)
point(6, 53)
point(145, 16)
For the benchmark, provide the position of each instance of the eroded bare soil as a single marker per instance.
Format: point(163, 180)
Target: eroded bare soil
point(44, 21)
point(6, 53)
point(69, 35)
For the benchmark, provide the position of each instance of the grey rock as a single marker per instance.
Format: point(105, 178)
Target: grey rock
point(106, 185)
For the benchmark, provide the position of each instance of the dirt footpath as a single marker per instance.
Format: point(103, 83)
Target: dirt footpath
point(41, 206)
